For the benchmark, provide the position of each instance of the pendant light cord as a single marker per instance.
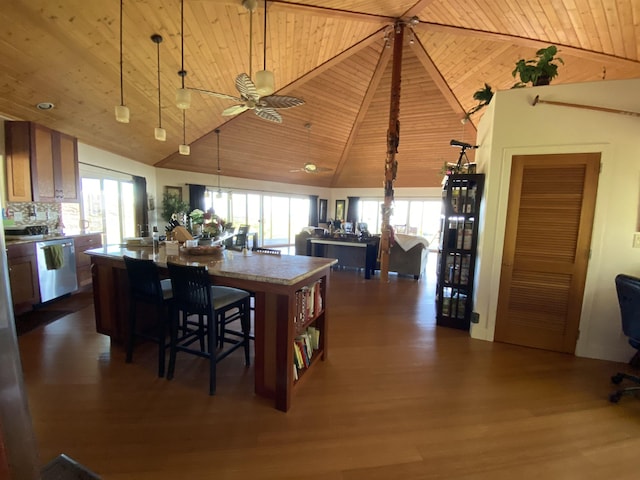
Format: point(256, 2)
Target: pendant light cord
point(250, 42)
point(159, 97)
point(121, 74)
point(264, 43)
point(218, 146)
point(182, 70)
point(184, 127)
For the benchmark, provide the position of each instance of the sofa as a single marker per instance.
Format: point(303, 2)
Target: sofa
point(408, 255)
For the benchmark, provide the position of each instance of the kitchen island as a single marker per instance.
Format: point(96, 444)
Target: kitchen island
point(276, 282)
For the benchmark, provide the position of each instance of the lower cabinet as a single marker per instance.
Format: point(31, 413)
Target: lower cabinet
point(83, 261)
point(23, 276)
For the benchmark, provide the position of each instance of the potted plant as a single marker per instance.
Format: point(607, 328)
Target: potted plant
point(171, 204)
point(538, 71)
point(483, 96)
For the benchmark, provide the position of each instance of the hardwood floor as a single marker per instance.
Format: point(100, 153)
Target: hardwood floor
point(397, 397)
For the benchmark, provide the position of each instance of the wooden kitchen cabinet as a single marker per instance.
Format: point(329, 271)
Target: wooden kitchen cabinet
point(23, 276)
point(83, 261)
point(42, 164)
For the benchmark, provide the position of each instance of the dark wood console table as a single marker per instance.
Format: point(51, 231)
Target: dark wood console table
point(349, 253)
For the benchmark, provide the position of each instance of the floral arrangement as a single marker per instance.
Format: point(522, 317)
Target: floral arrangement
point(197, 216)
point(213, 225)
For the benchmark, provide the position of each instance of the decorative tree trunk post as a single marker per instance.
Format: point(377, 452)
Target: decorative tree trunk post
point(391, 164)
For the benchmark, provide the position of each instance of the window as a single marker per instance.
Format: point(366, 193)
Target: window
point(275, 218)
point(417, 217)
point(108, 206)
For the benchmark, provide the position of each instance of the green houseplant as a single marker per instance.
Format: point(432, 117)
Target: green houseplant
point(171, 204)
point(483, 96)
point(538, 71)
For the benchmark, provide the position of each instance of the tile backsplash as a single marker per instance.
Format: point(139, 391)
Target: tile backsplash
point(58, 217)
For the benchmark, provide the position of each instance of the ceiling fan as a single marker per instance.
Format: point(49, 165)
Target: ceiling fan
point(250, 99)
point(310, 167)
point(258, 98)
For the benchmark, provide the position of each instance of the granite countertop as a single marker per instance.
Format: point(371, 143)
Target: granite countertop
point(275, 269)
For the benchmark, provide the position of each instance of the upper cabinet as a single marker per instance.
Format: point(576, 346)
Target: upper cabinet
point(42, 164)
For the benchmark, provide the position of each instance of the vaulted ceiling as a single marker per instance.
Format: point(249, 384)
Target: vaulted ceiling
point(331, 53)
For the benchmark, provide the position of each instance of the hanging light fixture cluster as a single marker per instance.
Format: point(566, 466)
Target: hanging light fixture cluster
point(183, 95)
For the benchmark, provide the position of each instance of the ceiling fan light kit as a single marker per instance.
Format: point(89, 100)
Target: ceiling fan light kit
point(265, 82)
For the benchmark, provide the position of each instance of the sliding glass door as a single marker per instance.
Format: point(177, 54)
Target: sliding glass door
point(108, 206)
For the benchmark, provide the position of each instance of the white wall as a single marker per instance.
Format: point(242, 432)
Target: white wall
point(512, 126)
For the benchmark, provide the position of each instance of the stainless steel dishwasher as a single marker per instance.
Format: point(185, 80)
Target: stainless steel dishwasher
point(56, 278)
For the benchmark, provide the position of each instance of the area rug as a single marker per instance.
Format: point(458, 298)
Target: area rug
point(37, 318)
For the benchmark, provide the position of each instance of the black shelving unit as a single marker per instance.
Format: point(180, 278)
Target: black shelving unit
point(461, 199)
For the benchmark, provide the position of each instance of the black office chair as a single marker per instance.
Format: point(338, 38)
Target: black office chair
point(146, 287)
point(628, 289)
point(193, 294)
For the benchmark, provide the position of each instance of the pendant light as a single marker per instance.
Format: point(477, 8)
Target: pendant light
point(159, 132)
point(183, 95)
point(217, 130)
point(184, 148)
point(265, 80)
point(122, 111)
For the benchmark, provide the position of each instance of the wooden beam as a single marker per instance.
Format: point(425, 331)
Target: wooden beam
point(362, 112)
point(280, 5)
point(524, 42)
point(417, 8)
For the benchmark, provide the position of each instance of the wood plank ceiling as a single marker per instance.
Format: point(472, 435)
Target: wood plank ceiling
point(331, 53)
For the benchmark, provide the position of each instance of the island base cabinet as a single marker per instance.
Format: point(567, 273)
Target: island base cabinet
point(274, 322)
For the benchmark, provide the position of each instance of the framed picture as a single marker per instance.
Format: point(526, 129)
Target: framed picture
point(174, 192)
point(340, 210)
point(322, 210)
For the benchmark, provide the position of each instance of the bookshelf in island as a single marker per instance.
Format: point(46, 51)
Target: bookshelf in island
point(291, 305)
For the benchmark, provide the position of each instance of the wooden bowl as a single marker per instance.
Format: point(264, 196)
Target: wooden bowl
point(215, 250)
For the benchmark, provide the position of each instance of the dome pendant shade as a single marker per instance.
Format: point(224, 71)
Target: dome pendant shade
point(265, 82)
point(122, 114)
point(183, 98)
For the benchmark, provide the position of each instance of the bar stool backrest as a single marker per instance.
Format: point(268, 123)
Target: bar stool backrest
point(191, 288)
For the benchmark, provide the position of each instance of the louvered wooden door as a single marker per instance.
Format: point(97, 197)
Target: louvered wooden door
point(546, 249)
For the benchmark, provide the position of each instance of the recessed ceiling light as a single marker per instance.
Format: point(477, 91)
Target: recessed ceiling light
point(45, 106)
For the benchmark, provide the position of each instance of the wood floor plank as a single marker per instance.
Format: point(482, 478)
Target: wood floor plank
point(398, 397)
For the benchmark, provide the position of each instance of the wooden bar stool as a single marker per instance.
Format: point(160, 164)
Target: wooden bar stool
point(193, 294)
point(146, 287)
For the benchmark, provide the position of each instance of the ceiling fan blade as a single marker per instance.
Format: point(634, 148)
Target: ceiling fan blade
point(234, 110)
point(216, 94)
point(281, 101)
point(269, 114)
point(246, 87)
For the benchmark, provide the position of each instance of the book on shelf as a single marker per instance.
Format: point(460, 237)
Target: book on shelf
point(304, 346)
point(308, 303)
